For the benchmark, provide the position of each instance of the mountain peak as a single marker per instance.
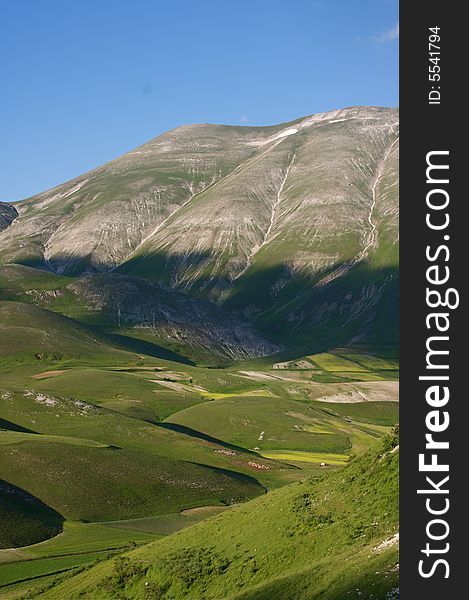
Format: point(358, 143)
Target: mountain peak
point(290, 211)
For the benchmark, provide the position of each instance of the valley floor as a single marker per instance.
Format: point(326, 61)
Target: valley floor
point(245, 429)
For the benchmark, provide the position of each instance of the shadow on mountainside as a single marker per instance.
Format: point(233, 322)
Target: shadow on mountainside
point(139, 346)
point(9, 426)
point(201, 436)
point(24, 519)
point(314, 313)
point(304, 313)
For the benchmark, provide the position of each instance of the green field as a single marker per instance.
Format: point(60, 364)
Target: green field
point(118, 448)
point(31, 569)
point(79, 544)
point(265, 549)
point(332, 362)
point(326, 458)
point(77, 538)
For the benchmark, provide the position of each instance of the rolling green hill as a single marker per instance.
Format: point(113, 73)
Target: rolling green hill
point(32, 334)
point(331, 537)
point(24, 519)
point(88, 483)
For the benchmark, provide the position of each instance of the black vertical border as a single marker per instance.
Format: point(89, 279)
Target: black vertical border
point(425, 128)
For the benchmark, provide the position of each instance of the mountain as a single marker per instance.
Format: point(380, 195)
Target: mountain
point(292, 228)
point(199, 374)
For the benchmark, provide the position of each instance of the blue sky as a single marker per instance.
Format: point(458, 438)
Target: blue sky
point(85, 81)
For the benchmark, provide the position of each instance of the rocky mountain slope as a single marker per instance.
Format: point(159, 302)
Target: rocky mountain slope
point(122, 302)
point(7, 215)
point(134, 302)
point(293, 227)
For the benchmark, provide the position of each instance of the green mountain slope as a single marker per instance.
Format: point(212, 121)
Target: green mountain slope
point(331, 538)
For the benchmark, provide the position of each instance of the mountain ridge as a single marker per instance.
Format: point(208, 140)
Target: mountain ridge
point(295, 220)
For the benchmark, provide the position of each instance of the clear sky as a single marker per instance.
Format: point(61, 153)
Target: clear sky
point(84, 81)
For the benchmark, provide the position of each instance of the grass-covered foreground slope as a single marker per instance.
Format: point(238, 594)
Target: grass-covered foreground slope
point(328, 538)
point(130, 441)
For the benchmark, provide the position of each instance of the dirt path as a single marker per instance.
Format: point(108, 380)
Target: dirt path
point(351, 393)
point(261, 376)
point(47, 374)
point(202, 510)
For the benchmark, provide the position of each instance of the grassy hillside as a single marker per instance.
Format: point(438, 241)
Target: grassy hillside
point(32, 334)
point(268, 423)
point(24, 519)
point(103, 434)
point(98, 484)
point(127, 306)
point(119, 415)
point(329, 538)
